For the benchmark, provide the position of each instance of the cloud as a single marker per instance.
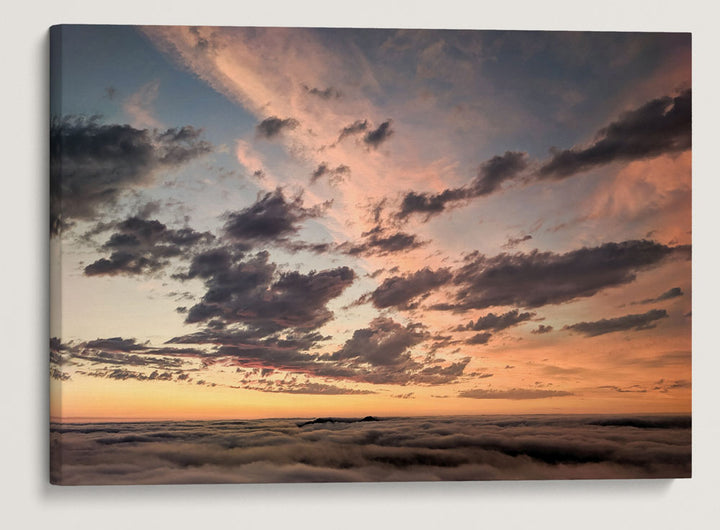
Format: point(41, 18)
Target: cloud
point(356, 127)
point(272, 218)
point(479, 338)
point(494, 322)
point(634, 389)
point(400, 291)
point(249, 290)
point(379, 242)
point(542, 329)
point(93, 164)
point(122, 374)
point(309, 389)
point(326, 93)
point(491, 175)
point(515, 241)
point(667, 295)
point(334, 175)
point(513, 393)
point(637, 322)
point(378, 136)
point(538, 278)
point(382, 354)
point(273, 126)
point(660, 126)
point(383, 343)
point(392, 449)
point(142, 246)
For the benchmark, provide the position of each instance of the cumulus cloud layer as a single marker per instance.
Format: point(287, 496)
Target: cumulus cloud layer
point(392, 449)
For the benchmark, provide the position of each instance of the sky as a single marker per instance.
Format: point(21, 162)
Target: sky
point(279, 222)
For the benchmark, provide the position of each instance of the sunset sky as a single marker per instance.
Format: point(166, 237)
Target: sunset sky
point(270, 222)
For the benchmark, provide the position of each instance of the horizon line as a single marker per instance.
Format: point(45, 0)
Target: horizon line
point(109, 419)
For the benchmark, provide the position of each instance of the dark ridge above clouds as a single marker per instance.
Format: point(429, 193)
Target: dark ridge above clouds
point(635, 322)
point(92, 164)
point(271, 127)
point(660, 126)
point(491, 175)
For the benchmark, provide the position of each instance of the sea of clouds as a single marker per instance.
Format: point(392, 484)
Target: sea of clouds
point(391, 449)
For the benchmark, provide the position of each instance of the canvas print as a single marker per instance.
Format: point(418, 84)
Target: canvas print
point(322, 254)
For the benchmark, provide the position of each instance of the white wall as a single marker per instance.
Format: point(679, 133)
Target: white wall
point(28, 502)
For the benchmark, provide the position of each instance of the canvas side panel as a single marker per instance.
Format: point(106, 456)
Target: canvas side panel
point(55, 253)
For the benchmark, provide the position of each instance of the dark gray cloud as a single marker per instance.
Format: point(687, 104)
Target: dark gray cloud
point(307, 388)
point(123, 374)
point(479, 338)
point(491, 175)
point(354, 128)
point(379, 135)
point(542, 329)
point(391, 449)
point(249, 290)
point(326, 93)
point(383, 343)
point(493, 322)
point(334, 175)
point(515, 241)
point(634, 389)
point(120, 359)
point(140, 246)
point(380, 242)
point(58, 357)
point(513, 393)
point(637, 322)
point(667, 295)
point(115, 344)
point(93, 164)
point(662, 125)
point(381, 354)
point(538, 278)
point(273, 126)
point(403, 292)
point(272, 218)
